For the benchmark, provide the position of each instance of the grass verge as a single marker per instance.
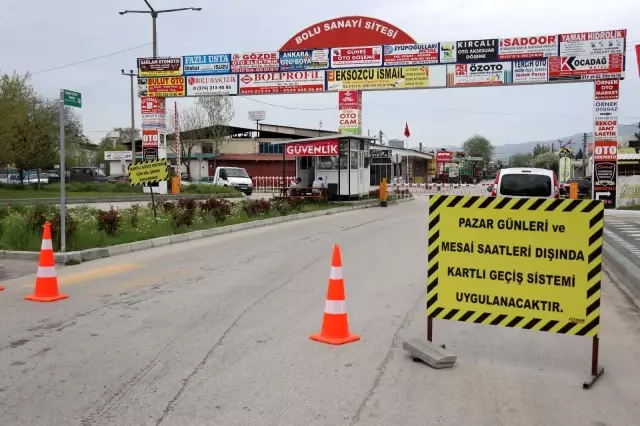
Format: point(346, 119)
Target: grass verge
point(21, 226)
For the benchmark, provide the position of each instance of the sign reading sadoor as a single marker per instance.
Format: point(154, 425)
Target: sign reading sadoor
point(531, 263)
point(387, 78)
point(153, 67)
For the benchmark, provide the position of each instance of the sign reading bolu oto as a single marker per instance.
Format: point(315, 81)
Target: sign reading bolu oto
point(147, 172)
point(531, 263)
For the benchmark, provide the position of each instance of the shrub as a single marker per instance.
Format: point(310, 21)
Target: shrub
point(70, 225)
point(374, 193)
point(219, 208)
point(109, 222)
point(282, 207)
point(296, 203)
point(182, 217)
point(256, 207)
point(15, 232)
point(134, 215)
point(187, 204)
point(36, 217)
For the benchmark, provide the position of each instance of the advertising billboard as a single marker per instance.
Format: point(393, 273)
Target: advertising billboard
point(282, 82)
point(448, 52)
point(300, 60)
point(349, 99)
point(444, 156)
point(153, 113)
point(149, 138)
point(411, 54)
point(470, 51)
point(487, 74)
point(365, 56)
point(387, 78)
point(594, 43)
point(255, 62)
point(153, 67)
point(528, 47)
point(207, 64)
point(591, 67)
point(212, 85)
point(530, 71)
point(162, 87)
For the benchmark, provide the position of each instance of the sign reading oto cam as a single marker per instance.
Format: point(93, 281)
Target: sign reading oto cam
point(530, 263)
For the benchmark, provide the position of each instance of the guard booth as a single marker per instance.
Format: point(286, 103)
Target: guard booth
point(343, 162)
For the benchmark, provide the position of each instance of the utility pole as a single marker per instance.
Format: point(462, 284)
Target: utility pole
point(380, 137)
point(584, 154)
point(131, 75)
point(154, 16)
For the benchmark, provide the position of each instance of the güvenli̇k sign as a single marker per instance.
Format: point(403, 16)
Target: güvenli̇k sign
point(327, 148)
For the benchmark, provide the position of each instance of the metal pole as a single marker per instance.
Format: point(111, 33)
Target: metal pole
point(133, 122)
point(154, 16)
point(63, 181)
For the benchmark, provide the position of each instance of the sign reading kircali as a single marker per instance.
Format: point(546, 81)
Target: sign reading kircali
point(313, 149)
point(516, 262)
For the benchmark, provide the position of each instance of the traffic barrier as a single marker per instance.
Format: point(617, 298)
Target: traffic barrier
point(440, 188)
point(335, 325)
point(531, 263)
point(46, 278)
point(269, 183)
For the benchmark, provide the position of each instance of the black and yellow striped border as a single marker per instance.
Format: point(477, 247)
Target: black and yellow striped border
point(163, 177)
point(595, 212)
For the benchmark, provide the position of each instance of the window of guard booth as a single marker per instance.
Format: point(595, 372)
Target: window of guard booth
point(307, 162)
point(354, 145)
point(354, 160)
point(331, 163)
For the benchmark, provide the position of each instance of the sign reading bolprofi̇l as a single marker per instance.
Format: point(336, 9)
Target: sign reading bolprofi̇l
point(532, 263)
point(146, 172)
point(387, 78)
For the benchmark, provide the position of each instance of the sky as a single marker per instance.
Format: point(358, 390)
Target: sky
point(38, 35)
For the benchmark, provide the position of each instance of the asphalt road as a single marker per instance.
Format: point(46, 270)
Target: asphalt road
point(215, 332)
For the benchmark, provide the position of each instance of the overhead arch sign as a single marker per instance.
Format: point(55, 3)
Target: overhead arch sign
point(368, 54)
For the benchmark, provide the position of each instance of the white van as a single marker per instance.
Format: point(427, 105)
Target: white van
point(525, 182)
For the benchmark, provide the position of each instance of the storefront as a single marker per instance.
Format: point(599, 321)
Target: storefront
point(343, 162)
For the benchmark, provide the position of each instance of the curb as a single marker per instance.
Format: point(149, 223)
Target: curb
point(113, 199)
point(627, 273)
point(76, 257)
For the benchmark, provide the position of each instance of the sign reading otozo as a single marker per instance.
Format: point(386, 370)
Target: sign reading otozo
point(516, 262)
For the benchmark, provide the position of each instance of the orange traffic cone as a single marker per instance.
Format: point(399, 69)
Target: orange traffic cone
point(335, 326)
point(46, 278)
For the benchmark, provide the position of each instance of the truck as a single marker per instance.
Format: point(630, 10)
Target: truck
point(235, 177)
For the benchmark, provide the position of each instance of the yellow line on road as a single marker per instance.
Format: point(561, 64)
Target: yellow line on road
point(95, 274)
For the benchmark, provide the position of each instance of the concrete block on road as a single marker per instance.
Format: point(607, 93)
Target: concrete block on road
point(141, 245)
point(93, 254)
point(210, 232)
point(160, 242)
point(73, 257)
point(180, 238)
point(429, 353)
point(22, 255)
point(119, 249)
point(195, 235)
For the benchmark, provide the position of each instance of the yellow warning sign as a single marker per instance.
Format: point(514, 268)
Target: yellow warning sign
point(146, 172)
point(532, 263)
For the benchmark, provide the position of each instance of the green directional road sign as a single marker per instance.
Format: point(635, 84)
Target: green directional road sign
point(72, 99)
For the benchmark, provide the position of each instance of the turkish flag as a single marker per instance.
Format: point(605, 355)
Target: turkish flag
point(638, 56)
point(406, 130)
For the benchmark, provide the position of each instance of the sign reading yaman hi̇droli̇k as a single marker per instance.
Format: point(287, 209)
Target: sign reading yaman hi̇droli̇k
point(532, 263)
point(147, 172)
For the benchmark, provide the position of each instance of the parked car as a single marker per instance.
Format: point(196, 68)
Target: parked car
point(118, 179)
point(87, 174)
point(525, 182)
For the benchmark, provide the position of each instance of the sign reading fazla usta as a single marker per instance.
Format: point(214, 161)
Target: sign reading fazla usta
point(312, 149)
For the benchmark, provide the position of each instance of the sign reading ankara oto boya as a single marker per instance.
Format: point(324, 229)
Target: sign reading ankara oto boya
point(531, 263)
point(147, 172)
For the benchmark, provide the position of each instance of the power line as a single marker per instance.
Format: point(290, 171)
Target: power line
point(90, 59)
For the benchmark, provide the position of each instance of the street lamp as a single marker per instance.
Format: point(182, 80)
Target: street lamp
point(154, 15)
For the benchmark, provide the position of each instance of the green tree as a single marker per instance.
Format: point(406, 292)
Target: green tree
point(547, 160)
point(479, 146)
point(192, 123)
point(15, 96)
point(540, 149)
point(578, 155)
point(521, 160)
point(219, 112)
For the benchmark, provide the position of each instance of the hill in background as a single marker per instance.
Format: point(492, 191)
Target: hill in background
point(503, 152)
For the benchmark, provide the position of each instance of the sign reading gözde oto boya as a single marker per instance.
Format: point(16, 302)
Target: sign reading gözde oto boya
point(529, 263)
